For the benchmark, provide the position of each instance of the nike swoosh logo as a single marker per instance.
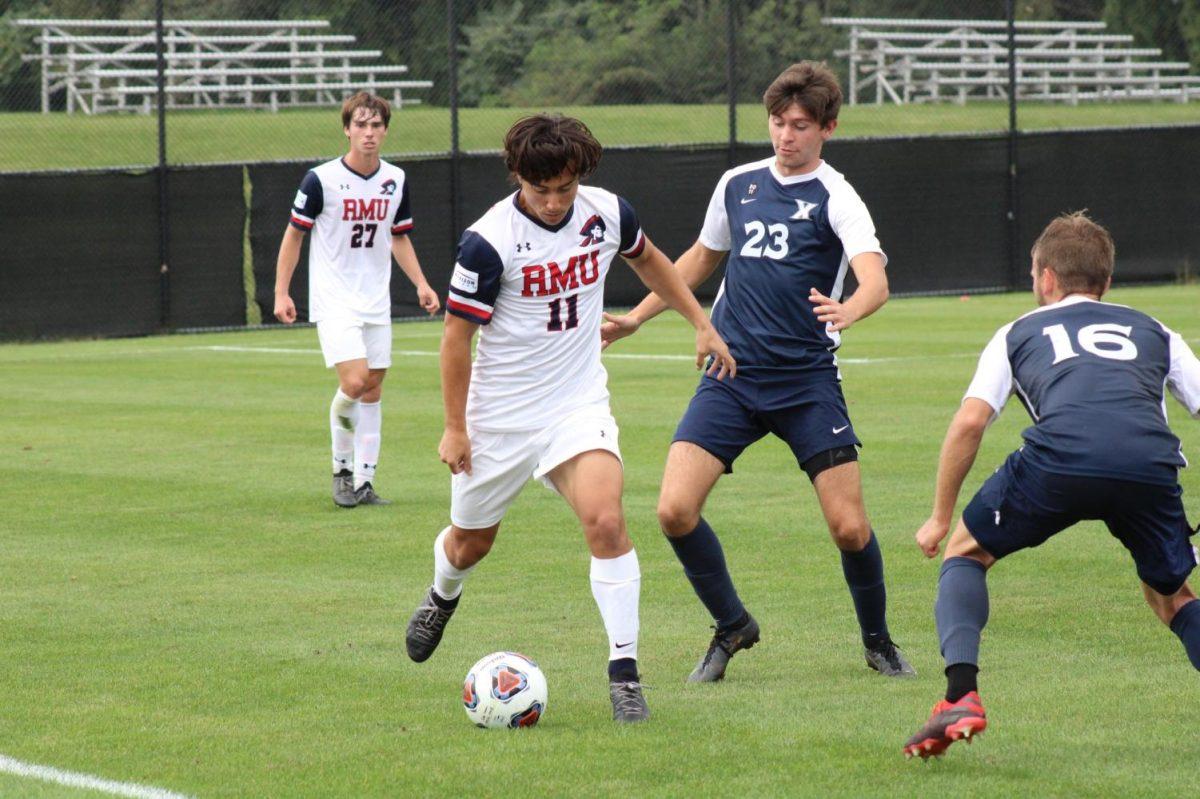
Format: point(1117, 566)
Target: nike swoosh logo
point(744, 200)
point(622, 646)
point(837, 430)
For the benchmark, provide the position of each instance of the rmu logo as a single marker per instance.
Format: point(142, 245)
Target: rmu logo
point(356, 210)
point(542, 281)
point(389, 188)
point(592, 231)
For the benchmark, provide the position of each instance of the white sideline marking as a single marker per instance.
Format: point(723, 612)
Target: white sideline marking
point(629, 356)
point(74, 779)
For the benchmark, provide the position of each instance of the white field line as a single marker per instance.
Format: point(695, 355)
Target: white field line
point(74, 779)
point(629, 356)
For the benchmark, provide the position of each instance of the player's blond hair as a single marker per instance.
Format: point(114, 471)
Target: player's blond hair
point(810, 85)
point(373, 103)
point(1079, 251)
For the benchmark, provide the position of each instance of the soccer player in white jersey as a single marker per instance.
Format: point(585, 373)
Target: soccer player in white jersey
point(531, 274)
point(358, 209)
point(793, 227)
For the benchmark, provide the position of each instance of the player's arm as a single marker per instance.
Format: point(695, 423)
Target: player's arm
point(455, 354)
point(958, 455)
point(869, 297)
point(1183, 379)
point(406, 257)
point(694, 267)
point(285, 267)
point(668, 286)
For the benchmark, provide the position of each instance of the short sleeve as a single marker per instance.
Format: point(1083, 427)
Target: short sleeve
point(715, 233)
point(852, 223)
point(993, 381)
point(475, 282)
point(402, 222)
point(1183, 379)
point(309, 201)
point(633, 241)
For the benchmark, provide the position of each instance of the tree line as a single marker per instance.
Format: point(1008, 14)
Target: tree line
point(587, 52)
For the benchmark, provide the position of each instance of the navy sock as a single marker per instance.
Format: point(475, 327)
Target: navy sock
point(961, 609)
point(704, 564)
point(1186, 625)
point(864, 575)
point(623, 670)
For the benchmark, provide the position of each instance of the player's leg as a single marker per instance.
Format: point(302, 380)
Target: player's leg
point(591, 483)
point(1150, 521)
point(836, 479)
point(501, 464)
point(368, 431)
point(345, 351)
point(702, 451)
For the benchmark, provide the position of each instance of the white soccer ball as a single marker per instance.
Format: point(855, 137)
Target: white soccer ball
point(505, 689)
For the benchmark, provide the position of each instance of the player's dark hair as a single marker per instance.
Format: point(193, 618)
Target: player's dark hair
point(1079, 251)
point(810, 85)
point(371, 102)
point(541, 147)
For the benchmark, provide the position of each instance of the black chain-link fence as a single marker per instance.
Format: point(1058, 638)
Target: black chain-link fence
point(170, 136)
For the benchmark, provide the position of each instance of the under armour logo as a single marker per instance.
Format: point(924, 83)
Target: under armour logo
point(528, 247)
point(344, 186)
point(803, 210)
point(602, 434)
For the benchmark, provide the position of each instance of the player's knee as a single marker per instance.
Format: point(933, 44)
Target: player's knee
point(605, 528)
point(676, 518)
point(849, 534)
point(354, 386)
point(464, 551)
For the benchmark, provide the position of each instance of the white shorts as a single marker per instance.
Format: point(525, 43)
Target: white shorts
point(352, 340)
point(501, 463)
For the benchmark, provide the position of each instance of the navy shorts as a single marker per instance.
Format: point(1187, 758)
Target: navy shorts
point(724, 421)
point(1021, 506)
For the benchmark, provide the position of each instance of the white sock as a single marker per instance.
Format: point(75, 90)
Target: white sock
point(616, 585)
point(343, 411)
point(447, 580)
point(366, 442)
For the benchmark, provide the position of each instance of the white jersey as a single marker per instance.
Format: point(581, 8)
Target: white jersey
point(353, 218)
point(538, 291)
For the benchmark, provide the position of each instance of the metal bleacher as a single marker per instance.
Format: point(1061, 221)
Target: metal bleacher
point(940, 60)
point(105, 66)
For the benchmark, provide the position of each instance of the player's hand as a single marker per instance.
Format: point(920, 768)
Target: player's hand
point(455, 451)
point(427, 298)
point(709, 343)
point(285, 309)
point(617, 327)
point(830, 311)
point(929, 537)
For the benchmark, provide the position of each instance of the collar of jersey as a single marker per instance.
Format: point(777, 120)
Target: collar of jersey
point(552, 228)
point(360, 174)
point(791, 179)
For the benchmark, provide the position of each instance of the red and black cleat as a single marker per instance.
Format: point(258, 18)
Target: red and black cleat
point(949, 722)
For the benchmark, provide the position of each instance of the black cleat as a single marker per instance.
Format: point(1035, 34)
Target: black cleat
point(343, 489)
point(889, 661)
point(365, 495)
point(425, 628)
point(722, 647)
point(629, 705)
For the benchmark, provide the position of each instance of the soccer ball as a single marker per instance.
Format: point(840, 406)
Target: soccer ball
point(505, 689)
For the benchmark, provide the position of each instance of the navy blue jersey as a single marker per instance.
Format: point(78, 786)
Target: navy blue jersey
point(785, 236)
point(1092, 376)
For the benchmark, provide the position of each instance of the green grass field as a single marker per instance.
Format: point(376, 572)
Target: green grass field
point(58, 141)
point(183, 607)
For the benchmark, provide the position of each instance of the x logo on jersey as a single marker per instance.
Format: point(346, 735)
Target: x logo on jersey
point(803, 210)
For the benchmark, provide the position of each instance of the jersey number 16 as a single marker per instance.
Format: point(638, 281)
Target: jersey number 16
point(1105, 340)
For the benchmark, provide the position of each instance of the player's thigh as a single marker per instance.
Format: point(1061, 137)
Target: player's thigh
point(1150, 521)
point(501, 464)
point(839, 492)
point(688, 478)
point(591, 483)
point(963, 545)
point(720, 422)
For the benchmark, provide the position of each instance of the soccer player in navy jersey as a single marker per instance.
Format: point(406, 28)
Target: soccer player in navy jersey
point(792, 226)
point(1092, 376)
